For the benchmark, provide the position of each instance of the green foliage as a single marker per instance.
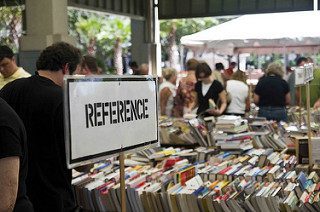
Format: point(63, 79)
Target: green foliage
point(10, 26)
point(116, 27)
point(99, 31)
point(185, 27)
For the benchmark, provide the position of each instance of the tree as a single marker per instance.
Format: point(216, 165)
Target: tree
point(114, 40)
point(171, 32)
point(104, 36)
point(10, 26)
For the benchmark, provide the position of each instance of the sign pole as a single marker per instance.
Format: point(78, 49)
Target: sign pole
point(308, 123)
point(300, 107)
point(122, 182)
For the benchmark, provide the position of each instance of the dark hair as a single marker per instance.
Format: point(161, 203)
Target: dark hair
point(233, 63)
point(219, 66)
point(300, 60)
point(5, 52)
point(91, 63)
point(203, 69)
point(192, 64)
point(310, 60)
point(133, 64)
point(57, 55)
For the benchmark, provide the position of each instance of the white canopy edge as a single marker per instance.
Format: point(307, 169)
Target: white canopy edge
point(262, 33)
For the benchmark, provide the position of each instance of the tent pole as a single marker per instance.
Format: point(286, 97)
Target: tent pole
point(285, 57)
point(181, 57)
point(238, 60)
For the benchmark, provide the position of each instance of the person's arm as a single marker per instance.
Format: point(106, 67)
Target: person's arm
point(256, 98)
point(247, 104)
point(9, 177)
point(298, 95)
point(223, 99)
point(248, 101)
point(288, 99)
point(164, 96)
point(316, 104)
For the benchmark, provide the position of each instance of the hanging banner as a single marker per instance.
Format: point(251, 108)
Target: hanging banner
point(107, 114)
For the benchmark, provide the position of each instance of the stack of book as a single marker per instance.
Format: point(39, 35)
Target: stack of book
point(99, 190)
point(176, 131)
point(261, 135)
point(200, 132)
point(158, 154)
point(231, 124)
point(195, 131)
point(294, 117)
point(240, 141)
point(263, 127)
point(293, 114)
point(268, 134)
point(256, 164)
point(270, 140)
point(256, 180)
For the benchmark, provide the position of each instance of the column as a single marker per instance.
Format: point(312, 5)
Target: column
point(46, 23)
point(146, 46)
point(139, 47)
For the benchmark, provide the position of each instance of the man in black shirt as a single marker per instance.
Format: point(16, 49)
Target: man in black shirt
point(38, 101)
point(13, 161)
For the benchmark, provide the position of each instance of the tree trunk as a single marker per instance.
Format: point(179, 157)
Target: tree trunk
point(10, 26)
point(117, 57)
point(172, 47)
point(92, 47)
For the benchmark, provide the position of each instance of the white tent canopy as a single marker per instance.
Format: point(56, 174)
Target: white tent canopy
point(262, 33)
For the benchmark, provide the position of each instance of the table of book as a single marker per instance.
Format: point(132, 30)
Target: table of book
point(248, 170)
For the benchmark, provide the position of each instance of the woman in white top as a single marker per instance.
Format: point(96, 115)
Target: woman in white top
point(167, 91)
point(238, 90)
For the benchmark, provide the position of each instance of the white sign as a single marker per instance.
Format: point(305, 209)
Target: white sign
point(303, 74)
point(299, 76)
point(106, 114)
point(308, 72)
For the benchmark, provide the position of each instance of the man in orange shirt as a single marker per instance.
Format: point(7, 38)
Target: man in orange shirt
point(229, 71)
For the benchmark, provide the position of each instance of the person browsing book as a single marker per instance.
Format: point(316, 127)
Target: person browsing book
point(89, 66)
point(217, 73)
point(13, 161)
point(272, 94)
point(9, 71)
point(239, 91)
point(185, 99)
point(167, 91)
point(209, 90)
point(38, 100)
point(227, 74)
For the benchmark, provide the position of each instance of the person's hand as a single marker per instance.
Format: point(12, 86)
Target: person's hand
point(215, 112)
point(316, 104)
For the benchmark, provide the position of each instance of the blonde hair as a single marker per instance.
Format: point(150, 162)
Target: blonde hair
point(275, 69)
point(167, 73)
point(240, 76)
